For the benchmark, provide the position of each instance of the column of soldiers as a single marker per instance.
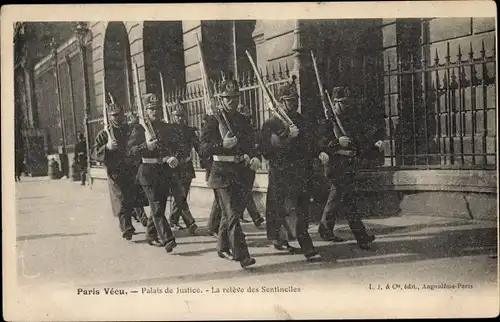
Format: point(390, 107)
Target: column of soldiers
point(146, 170)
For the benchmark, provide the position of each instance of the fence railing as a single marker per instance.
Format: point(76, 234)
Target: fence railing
point(445, 111)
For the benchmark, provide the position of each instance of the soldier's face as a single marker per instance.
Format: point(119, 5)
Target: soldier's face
point(119, 118)
point(152, 113)
point(291, 105)
point(231, 103)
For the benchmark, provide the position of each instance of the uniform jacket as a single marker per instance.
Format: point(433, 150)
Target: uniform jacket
point(117, 161)
point(188, 140)
point(294, 153)
point(222, 174)
point(168, 146)
point(362, 134)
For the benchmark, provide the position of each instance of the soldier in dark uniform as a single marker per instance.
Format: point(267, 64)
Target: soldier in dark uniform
point(81, 157)
point(257, 219)
point(339, 153)
point(234, 158)
point(189, 140)
point(119, 167)
point(290, 150)
point(141, 201)
point(157, 172)
point(215, 211)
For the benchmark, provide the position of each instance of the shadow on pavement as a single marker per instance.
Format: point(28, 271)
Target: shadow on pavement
point(447, 244)
point(41, 236)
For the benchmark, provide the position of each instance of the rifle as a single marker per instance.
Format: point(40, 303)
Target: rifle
point(328, 111)
point(270, 100)
point(149, 132)
point(166, 111)
point(209, 97)
point(339, 123)
point(107, 128)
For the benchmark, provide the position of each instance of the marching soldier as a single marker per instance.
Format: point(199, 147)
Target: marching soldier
point(189, 140)
point(157, 172)
point(340, 157)
point(257, 219)
point(290, 150)
point(215, 211)
point(234, 157)
point(139, 214)
point(119, 167)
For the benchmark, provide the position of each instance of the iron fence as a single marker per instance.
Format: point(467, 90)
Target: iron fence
point(442, 114)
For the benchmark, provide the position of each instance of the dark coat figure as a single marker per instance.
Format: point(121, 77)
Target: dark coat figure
point(290, 168)
point(188, 140)
point(157, 174)
point(343, 151)
point(230, 174)
point(120, 169)
point(81, 158)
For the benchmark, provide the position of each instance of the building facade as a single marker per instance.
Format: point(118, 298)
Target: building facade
point(426, 86)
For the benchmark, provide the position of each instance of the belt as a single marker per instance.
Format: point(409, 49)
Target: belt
point(226, 158)
point(155, 160)
point(348, 153)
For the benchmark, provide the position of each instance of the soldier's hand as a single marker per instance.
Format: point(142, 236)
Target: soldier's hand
point(246, 159)
point(380, 145)
point(229, 141)
point(173, 162)
point(293, 131)
point(254, 164)
point(344, 141)
point(152, 145)
point(324, 158)
point(112, 145)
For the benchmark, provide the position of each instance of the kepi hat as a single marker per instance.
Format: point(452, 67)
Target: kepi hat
point(150, 101)
point(178, 109)
point(113, 108)
point(340, 93)
point(230, 88)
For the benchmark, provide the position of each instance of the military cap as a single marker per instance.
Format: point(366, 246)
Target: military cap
point(178, 109)
point(340, 93)
point(113, 108)
point(230, 88)
point(150, 101)
point(287, 91)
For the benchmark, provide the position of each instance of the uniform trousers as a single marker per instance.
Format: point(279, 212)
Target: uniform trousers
point(231, 237)
point(158, 226)
point(215, 212)
point(340, 200)
point(214, 216)
point(288, 205)
point(121, 198)
point(180, 207)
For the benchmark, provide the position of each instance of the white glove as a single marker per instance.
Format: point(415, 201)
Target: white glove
point(111, 145)
point(324, 157)
point(380, 145)
point(229, 142)
point(344, 141)
point(173, 162)
point(254, 164)
point(153, 144)
point(246, 159)
point(294, 131)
